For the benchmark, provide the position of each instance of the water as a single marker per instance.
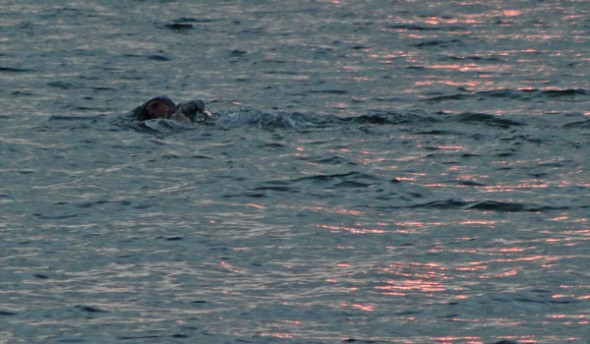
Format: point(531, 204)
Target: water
point(410, 172)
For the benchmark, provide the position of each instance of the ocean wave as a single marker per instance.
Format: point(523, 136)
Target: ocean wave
point(227, 120)
point(417, 27)
point(568, 94)
point(419, 122)
point(481, 205)
point(485, 119)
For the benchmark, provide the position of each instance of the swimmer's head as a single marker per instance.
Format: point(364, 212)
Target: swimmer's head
point(159, 107)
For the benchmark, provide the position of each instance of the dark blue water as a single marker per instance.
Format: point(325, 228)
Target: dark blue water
point(403, 172)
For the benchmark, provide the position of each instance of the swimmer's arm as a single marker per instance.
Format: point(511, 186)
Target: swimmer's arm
point(179, 116)
point(194, 111)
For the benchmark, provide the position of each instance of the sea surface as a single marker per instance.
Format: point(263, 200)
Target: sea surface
point(398, 172)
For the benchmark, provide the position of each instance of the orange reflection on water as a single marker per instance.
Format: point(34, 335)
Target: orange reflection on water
point(388, 57)
point(509, 188)
point(472, 177)
point(415, 277)
point(408, 227)
point(400, 287)
point(528, 259)
point(561, 296)
point(452, 340)
point(366, 308)
point(450, 147)
point(281, 335)
point(512, 272)
point(473, 266)
point(511, 13)
point(433, 20)
point(467, 67)
point(294, 322)
point(299, 152)
point(462, 83)
point(489, 223)
point(229, 267)
point(353, 230)
point(512, 249)
point(349, 212)
point(473, 341)
point(257, 206)
point(581, 319)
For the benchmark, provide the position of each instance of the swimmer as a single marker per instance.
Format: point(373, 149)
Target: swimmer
point(164, 107)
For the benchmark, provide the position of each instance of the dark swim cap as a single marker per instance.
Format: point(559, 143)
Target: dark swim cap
point(143, 115)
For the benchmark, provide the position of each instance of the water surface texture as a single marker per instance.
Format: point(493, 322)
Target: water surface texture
point(399, 172)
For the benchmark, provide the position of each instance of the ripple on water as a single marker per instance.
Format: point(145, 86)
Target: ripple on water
point(397, 174)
